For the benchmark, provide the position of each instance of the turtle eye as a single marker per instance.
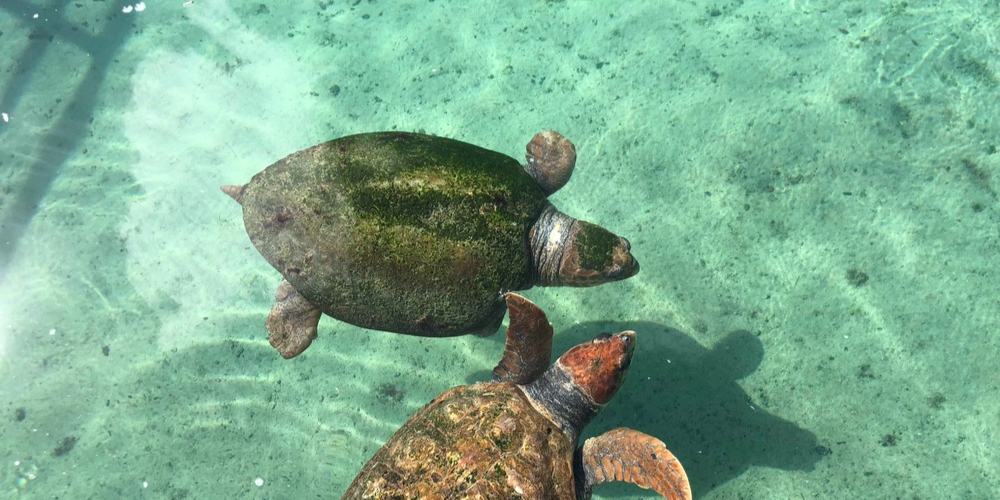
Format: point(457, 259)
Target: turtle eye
point(602, 336)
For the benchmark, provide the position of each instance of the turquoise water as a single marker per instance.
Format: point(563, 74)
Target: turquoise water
point(810, 187)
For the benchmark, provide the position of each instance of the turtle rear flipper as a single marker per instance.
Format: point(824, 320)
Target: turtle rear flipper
point(291, 326)
point(529, 343)
point(631, 456)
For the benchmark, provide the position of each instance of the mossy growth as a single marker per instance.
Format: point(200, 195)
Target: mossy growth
point(595, 245)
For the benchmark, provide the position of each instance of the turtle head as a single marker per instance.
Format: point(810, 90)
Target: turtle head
point(571, 252)
point(582, 381)
point(599, 367)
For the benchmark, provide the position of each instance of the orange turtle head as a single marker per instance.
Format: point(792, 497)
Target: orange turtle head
point(599, 367)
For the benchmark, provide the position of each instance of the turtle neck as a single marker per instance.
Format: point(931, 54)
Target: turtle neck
point(547, 238)
point(556, 395)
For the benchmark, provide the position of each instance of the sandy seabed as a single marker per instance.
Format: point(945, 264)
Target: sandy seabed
point(810, 187)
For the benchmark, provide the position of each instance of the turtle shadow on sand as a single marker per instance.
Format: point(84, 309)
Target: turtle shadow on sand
point(693, 403)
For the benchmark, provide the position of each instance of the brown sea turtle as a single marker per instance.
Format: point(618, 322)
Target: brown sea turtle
point(517, 436)
point(417, 234)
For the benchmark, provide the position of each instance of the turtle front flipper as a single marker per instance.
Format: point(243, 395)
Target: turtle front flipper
point(628, 455)
point(291, 326)
point(550, 160)
point(529, 342)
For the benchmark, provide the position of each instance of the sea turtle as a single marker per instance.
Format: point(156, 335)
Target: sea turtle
point(517, 436)
point(417, 234)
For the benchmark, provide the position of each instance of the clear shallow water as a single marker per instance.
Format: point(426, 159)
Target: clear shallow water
point(811, 188)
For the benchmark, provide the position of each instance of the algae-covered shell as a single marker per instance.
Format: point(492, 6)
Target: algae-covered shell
point(483, 440)
point(402, 232)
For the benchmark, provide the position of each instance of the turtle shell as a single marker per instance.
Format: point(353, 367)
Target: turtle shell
point(400, 232)
point(477, 441)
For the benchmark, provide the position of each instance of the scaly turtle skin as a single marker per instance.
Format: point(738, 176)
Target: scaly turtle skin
point(516, 437)
point(416, 234)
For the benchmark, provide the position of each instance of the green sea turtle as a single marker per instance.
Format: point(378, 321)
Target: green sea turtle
point(417, 234)
point(517, 436)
